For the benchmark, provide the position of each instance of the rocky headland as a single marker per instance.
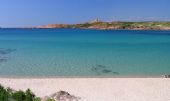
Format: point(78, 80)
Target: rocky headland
point(115, 25)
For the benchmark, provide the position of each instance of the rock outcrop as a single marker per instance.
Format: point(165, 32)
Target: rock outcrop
point(62, 96)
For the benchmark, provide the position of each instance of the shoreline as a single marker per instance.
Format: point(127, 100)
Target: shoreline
point(96, 89)
point(82, 77)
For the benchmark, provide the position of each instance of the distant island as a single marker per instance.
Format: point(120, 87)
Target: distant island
point(115, 25)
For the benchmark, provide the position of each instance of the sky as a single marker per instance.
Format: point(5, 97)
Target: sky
point(27, 13)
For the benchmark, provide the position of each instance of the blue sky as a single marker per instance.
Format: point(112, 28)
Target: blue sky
point(23, 13)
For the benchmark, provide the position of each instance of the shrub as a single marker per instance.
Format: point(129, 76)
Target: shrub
point(29, 96)
point(4, 95)
point(7, 94)
point(37, 99)
point(49, 99)
point(19, 96)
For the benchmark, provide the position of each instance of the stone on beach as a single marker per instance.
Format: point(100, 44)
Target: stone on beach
point(62, 96)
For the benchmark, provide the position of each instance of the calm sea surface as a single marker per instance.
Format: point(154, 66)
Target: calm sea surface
point(83, 53)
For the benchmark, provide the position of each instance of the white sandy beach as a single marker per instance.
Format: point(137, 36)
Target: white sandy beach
point(97, 89)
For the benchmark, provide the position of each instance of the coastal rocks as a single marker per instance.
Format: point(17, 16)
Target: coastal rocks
point(101, 69)
point(62, 96)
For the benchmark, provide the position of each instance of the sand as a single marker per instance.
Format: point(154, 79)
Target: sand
point(97, 89)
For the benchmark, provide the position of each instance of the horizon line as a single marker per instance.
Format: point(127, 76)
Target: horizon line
point(88, 22)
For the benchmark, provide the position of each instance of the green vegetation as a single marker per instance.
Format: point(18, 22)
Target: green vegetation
point(123, 25)
point(4, 94)
point(7, 94)
point(49, 99)
point(114, 25)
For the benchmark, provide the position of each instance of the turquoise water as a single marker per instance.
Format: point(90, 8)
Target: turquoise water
point(83, 53)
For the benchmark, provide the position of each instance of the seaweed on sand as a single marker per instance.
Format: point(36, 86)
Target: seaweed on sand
point(3, 60)
point(106, 71)
point(101, 69)
point(116, 73)
point(6, 51)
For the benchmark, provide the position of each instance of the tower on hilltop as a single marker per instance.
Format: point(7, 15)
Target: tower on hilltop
point(96, 20)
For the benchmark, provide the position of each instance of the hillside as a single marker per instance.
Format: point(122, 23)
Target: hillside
point(114, 25)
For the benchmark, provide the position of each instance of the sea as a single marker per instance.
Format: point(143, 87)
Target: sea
point(84, 53)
